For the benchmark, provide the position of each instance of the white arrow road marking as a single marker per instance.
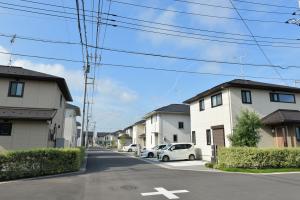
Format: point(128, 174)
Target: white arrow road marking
point(166, 193)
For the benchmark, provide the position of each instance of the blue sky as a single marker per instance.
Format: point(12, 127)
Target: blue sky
point(123, 96)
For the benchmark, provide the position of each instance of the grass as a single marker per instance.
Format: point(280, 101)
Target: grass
point(256, 171)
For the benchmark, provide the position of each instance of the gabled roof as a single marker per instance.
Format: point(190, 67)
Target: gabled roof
point(172, 108)
point(139, 122)
point(21, 73)
point(26, 113)
point(73, 107)
point(240, 83)
point(282, 116)
point(102, 134)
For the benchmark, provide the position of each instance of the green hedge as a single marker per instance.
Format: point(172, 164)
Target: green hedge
point(39, 162)
point(258, 158)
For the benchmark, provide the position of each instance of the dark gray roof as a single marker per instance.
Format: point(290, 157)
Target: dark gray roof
point(26, 113)
point(19, 72)
point(102, 134)
point(282, 116)
point(172, 108)
point(240, 83)
point(78, 124)
point(73, 107)
point(140, 122)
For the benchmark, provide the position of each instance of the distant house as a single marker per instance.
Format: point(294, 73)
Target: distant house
point(32, 109)
point(214, 113)
point(168, 124)
point(71, 125)
point(139, 133)
point(101, 138)
point(128, 130)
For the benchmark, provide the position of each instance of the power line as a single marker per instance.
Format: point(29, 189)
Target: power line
point(195, 14)
point(231, 8)
point(152, 22)
point(258, 45)
point(266, 4)
point(189, 72)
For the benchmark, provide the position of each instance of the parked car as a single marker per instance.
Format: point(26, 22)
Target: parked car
point(150, 153)
point(130, 148)
point(177, 151)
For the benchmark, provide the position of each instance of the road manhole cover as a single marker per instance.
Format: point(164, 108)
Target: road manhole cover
point(128, 187)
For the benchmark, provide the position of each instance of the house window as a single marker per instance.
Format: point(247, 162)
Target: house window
point(298, 134)
point(175, 138)
point(151, 119)
point(180, 125)
point(246, 97)
point(5, 129)
point(16, 89)
point(201, 105)
point(208, 137)
point(216, 100)
point(194, 137)
point(282, 97)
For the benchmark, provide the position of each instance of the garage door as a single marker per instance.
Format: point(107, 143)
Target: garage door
point(219, 137)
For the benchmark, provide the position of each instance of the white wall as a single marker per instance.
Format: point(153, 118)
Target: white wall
point(166, 125)
point(138, 130)
point(203, 120)
point(70, 128)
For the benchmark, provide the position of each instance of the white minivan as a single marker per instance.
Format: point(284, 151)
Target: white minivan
point(177, 151)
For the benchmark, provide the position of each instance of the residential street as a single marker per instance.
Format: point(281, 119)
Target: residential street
point(114, 176)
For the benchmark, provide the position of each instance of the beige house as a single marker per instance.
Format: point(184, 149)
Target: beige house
point(32, 109)
point(168, 124)
point(139, 133)
point(214, 112)
point(71, 125)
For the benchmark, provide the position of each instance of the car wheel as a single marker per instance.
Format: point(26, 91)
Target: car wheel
point(191, 157)
point(150, 155)
point(129, 150)
point(166, 158)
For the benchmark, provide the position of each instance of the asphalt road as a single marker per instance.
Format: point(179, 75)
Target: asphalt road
point(113, 176)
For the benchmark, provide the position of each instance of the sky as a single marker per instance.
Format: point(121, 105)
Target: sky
point(123, 96)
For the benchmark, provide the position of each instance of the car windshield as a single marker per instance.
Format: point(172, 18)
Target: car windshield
point(167, 146)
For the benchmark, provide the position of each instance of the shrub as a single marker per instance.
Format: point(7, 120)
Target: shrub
point(39, 162)
point(246, 131)
point(258, 158)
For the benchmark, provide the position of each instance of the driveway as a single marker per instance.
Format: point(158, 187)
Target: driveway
point(114, 176)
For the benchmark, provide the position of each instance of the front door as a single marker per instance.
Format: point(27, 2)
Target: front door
point(281, 137)
point(219, 137)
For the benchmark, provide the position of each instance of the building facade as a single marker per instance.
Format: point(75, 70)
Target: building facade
point(139, 133)
point(71, 125)
point(214, 114)
point(168, 124)
point(32, 109)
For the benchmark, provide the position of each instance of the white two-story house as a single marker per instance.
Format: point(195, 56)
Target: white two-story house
point(32, 109)
point(214, 113)
point(168, 124)
point(139, 133)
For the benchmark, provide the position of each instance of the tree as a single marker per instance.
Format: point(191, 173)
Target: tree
point(246, 131)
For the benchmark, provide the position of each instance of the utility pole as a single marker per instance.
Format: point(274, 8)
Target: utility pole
point(86, 71)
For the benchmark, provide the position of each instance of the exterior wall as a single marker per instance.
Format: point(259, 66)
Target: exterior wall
point(262, 105)
point(165, 126)
point(204, 120)
point(227, 113)
point(37, 94)
point(26, 135)
point(151, 129)
point(138, 130)
point(70, 128)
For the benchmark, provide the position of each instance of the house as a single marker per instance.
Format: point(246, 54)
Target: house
point(71, 125)
point(214, 112)
point(123, 139)
point(101, 138)
point(128, 130)
point(168, 124)
point(32, 109)
point(139, 133)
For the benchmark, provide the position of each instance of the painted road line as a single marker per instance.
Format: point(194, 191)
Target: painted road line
point(162, 191)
